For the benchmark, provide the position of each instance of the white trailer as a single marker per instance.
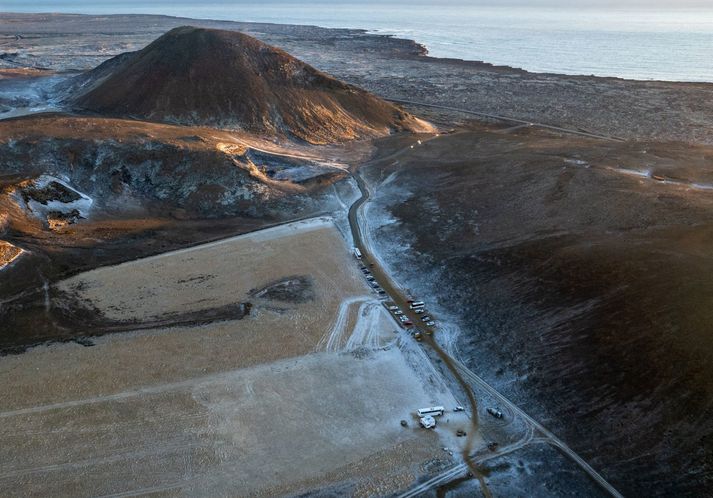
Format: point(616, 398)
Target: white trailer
point(433, 411)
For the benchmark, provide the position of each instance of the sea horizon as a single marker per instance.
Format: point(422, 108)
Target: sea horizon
point(631, 43)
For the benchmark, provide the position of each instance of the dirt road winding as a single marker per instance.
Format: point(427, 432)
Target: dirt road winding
point(535, 432)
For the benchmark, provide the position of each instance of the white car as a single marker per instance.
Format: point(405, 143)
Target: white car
point(431, 323)
point(398, 312)
point(403, 318)
point(427, 422)
point(393, 308)
point(458, 409)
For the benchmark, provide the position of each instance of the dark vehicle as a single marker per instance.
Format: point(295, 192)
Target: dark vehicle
point(495, 413)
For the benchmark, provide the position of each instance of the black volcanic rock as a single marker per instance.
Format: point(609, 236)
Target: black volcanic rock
point(231, 80)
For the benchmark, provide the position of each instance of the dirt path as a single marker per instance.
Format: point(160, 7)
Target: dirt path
point(510, 120)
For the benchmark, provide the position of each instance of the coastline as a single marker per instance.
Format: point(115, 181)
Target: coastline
point(417, 48)
point(393, 68)
point(531, 236)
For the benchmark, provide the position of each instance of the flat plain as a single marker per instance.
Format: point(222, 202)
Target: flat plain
point(315, 364)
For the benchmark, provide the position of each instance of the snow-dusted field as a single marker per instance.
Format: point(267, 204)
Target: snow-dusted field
point(306, 392)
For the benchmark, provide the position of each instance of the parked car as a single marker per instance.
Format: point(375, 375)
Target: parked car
point(398, 312)
point(393, 308)
point(495, 413)
point(426, 318)
point(431, 323)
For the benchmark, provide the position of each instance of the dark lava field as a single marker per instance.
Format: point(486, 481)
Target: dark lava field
point(582, 285)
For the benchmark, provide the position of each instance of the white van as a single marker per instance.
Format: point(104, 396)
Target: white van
point(357, 253)
point(433, 411)
point(427, 422)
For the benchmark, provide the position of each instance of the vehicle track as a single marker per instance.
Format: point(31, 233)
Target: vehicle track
point(508, 119)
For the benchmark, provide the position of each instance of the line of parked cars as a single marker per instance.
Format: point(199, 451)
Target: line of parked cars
point(418, 307)
point(372, 281)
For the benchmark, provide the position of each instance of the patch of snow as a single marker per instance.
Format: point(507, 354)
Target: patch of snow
point(634, 172)
point(577, 162)
point(702, 186)
point(30, 95)
point(301, 173)
point(82, 205)
point(345, 193)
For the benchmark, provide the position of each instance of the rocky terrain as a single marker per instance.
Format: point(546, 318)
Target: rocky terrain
point(203, 133)
point(124, 167)
point(77, 192)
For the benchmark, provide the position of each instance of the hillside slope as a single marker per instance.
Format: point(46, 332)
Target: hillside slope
point(231, 80)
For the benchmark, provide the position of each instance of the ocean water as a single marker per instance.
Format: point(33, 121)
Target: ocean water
point(638, 43)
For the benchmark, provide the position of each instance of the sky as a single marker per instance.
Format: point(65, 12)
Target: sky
point(17, 5)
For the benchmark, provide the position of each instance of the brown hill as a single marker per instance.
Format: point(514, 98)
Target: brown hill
point(231, 80)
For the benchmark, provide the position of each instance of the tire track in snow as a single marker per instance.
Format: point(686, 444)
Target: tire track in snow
point(331, 340)
point(366, 330)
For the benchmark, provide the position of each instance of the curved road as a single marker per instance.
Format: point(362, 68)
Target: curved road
point(521, 122)
point(465, 376)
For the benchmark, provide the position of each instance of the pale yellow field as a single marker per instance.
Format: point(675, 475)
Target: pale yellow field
point(296, 396)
